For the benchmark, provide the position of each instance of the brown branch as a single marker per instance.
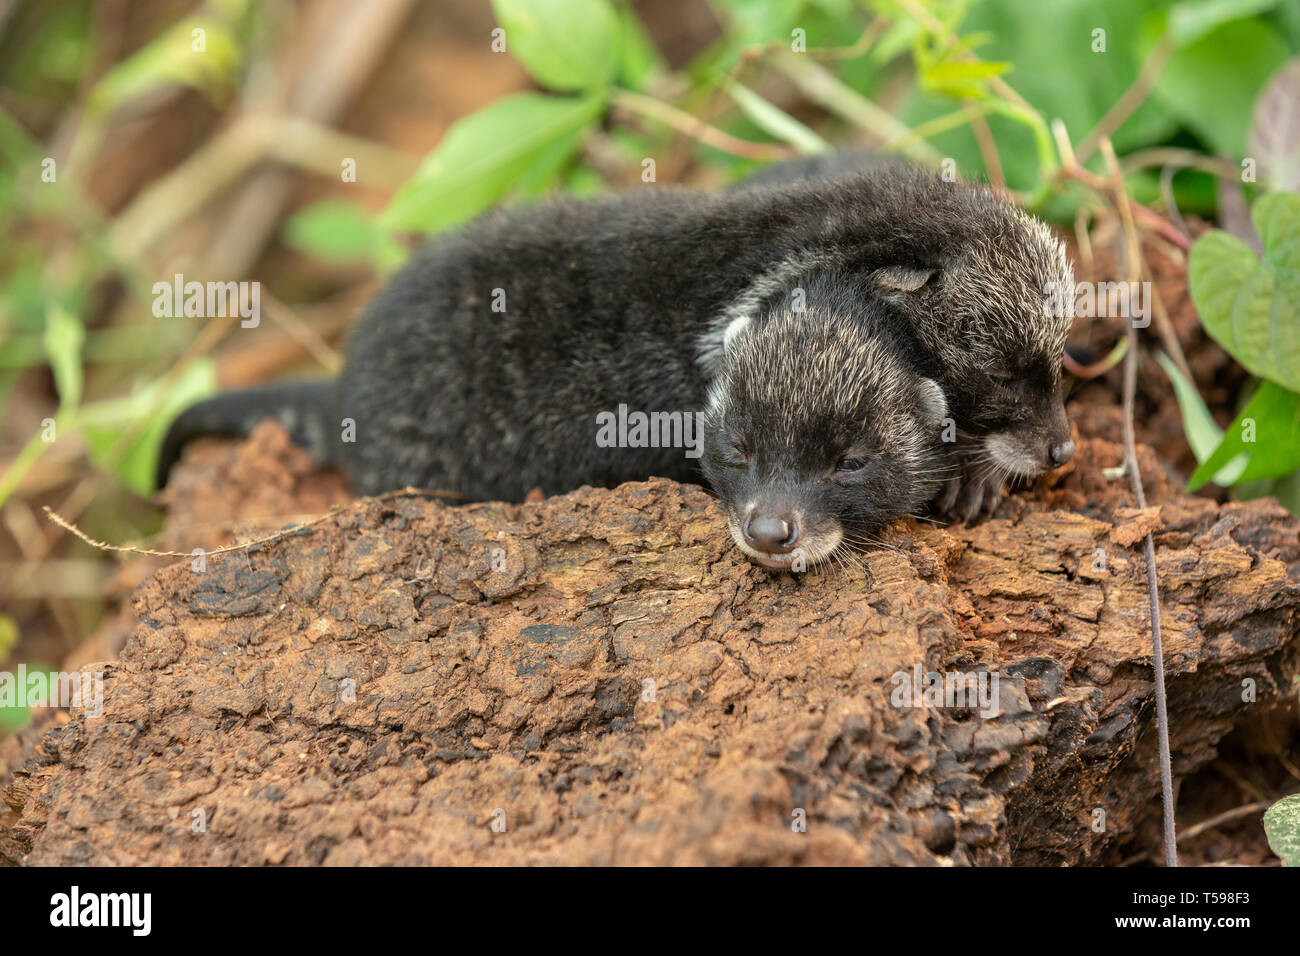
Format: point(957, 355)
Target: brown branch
point(988, 150)
point(1099, 367)
point(696, 128)
point(1130, 100)
point(1135, 478)
point(67, 525)
point(1070, 169)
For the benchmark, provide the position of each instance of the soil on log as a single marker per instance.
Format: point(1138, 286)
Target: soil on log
point(601, 677)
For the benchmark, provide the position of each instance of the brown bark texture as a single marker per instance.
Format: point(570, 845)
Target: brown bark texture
point(602, 678)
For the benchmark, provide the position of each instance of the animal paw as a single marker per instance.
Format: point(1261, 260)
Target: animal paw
point(969, 498)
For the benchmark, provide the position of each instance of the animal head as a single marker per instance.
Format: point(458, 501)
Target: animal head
point(816, 435)
point(993, 317)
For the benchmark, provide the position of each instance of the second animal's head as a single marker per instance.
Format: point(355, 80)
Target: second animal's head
point(991, 315)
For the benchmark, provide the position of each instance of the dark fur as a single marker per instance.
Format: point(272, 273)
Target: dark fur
point(609, 300)
point(823, 167)
point(306, 409)
point(972, 312)
point(815, 419)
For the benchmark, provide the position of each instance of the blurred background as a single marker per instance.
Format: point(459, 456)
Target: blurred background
point(309, 146)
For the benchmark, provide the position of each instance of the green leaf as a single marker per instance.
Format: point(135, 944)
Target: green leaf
point(14, 717)
point(1189, 20)
point(640, 60)
point(1051, 45)
point(1282, 826)
point(961, 79)
point(1285, 489)
point(564, 44)
point(340, 232)
point(63, 338)
point(170, 59)
point(546, 167)
point(483, 155)
point(751, 22)
point(1203, 433)
point(900, 35)
point(104, 423)
point(775, 121)
point(1268, 429)
point(1211, 85)
point(1251, 306)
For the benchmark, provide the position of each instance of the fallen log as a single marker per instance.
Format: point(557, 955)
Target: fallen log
point(600, 677)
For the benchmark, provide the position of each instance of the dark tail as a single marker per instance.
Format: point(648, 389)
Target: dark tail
point(305, 409)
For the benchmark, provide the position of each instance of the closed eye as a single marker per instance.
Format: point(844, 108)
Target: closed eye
point(735, 451)
point(849, 465)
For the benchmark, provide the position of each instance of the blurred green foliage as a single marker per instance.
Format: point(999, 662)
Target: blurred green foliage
point(940, 67)
point(1250, 304)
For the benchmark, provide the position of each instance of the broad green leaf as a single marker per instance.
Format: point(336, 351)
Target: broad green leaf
point(584, 181)
point(15, 716)
point(1211, 84)
point(546, 167)
point(775, 121)
point(564, 44)
point(1285, 489)
point(1251, 306)
point(639, 59)
point(341, 232)
point(762, 21)
point(63, 338)
point(1052, 45)
point(1268, 429)
point(483, 155)
point(1282, 826)
point(104, 422)
point(1189, 20)
point(1203, 433)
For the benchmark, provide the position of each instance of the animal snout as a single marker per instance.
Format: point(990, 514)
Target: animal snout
point(1061, 452)
point(775, 534)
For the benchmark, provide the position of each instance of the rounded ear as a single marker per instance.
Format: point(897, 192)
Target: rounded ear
point(733, 330)
point(933, 404)
point(904, 278)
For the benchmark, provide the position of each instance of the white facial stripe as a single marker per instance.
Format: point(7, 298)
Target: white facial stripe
point(711, 343)
point(738, 325)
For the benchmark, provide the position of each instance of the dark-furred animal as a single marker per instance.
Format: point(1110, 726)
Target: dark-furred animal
point(987, 314)
point(817, 433)
point(481, 365)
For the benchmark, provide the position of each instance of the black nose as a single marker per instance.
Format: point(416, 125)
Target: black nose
point(775, 534)
point(1061, 453)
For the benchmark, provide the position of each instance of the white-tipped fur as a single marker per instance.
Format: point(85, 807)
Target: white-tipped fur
point(1002, 287)
point(934, 401)
point(851, 366)
point(842, 378)
point(1009, 456)
point(714, 340)
point(736, 326)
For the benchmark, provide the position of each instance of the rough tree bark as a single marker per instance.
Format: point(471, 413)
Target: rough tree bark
point(604, 675)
